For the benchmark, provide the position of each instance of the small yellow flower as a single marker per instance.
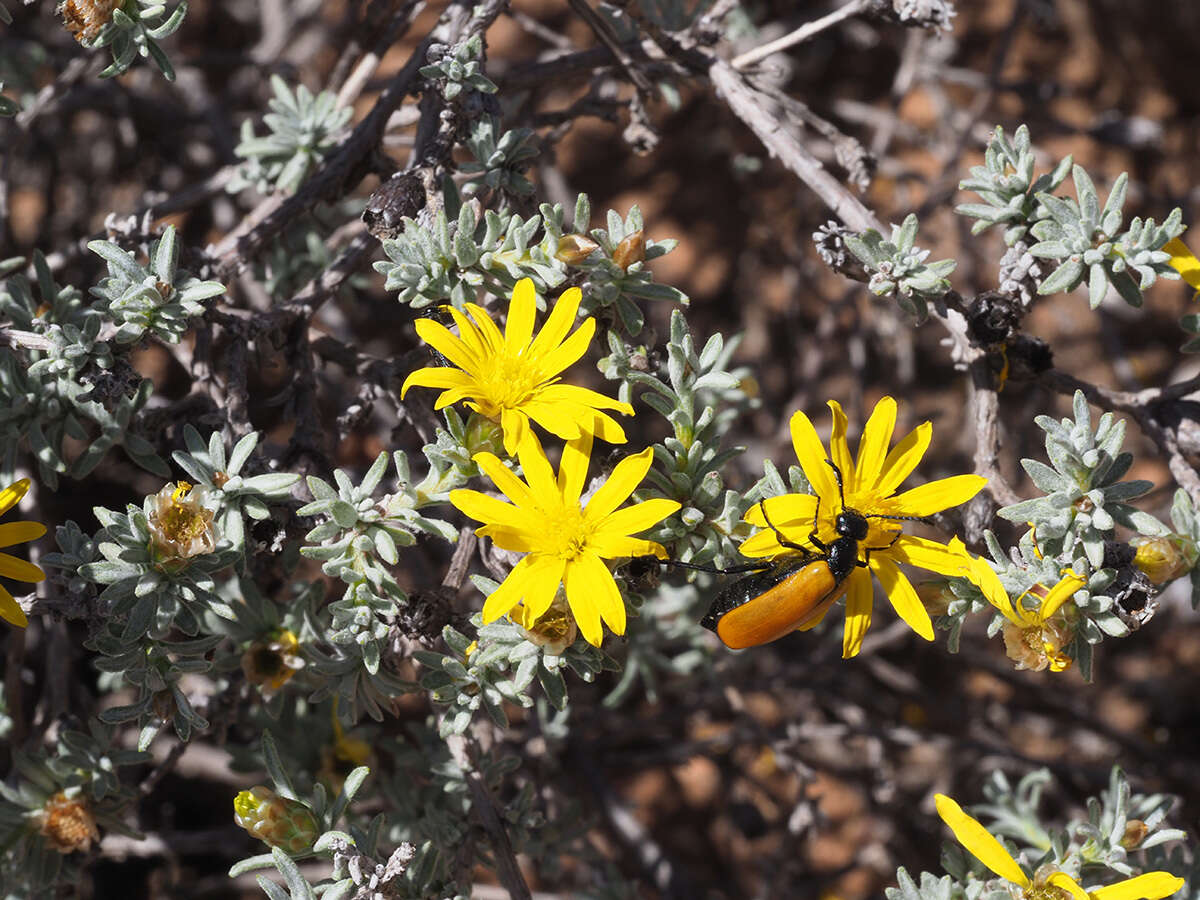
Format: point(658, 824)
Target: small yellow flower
point(10, 567)
point(343, 757)
point(1184, 262)
point(1051, 884)
point(181, 525)
point(271, 662)
point(869, 482)
point(565, 542)
point(66, 822)
point(1032, 638)
point(513, 377)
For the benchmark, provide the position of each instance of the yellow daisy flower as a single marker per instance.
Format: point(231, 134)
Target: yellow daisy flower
point(11, 567)
point(1031, 637)
point(1051, 884)
point(512, 378)
point(1184, 262)
point(565, 541)
point(869, 484)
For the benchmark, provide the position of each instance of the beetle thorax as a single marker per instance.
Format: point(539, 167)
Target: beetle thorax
point(851, 523)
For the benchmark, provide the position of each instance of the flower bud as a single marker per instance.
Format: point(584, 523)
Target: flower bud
point(484, 436)
point(1164, 558)
point(1135, 832)
point(66, 822)
point(573, 249)
point(631, 250)
point(274, 820)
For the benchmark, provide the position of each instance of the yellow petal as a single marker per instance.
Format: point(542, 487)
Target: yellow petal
point(1060, 594)
point(19, 569)
point(606, 428)
point(903, 458)
point(561, 420)
point(509, 594)
point(573, 468)
point(469, 334)
point(561, 318)
point(860, 593)
point(811, 455)
point(1184, 262)
point(979, 842)
point(492, 511)
point(515, 426)
point(1065, 882)
point(522, 310)
point(20, 532)
point(984, 577)
point(437, 377)
point(637, 518)
point(518, 540)
point(555, 360)
point(624, 480)
point(512, 487)
point(11, 495)
point(903, 596)
point(938, 495)
point(616, 546)
point(927, 554)
point(439, 337)
point(790, 511)
point(542, 583)
point(489, 334)
point(764, 543)
point(10, 610)
point(589, 583)
point(873, 445)
point(1151, 886)
point(839, 450)
point(569, 393)
point(538, 473)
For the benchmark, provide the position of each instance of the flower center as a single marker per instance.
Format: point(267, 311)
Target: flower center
point(1044, 892)
point(566, 532)
point(183, 521)
point(509, 380)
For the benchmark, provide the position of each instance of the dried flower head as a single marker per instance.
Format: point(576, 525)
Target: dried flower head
point(181, 525)
point(573, 249)
point(85, 18)
point(271, 662)
point(275, 820)
point(554, 631)
point(1033, 638)
point(66, 822)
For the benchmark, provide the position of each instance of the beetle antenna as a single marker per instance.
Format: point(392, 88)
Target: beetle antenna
point(837, 474)
point(905, 518)
point(696, 567)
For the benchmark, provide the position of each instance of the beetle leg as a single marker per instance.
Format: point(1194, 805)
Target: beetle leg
point(784, 542)
point(888, 546)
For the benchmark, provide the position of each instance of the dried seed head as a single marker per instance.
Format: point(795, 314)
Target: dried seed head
point(574, 249)
point(1040, 647)
point(631, 250)
point(85, 18)
point(181, 526)
point(66, 822)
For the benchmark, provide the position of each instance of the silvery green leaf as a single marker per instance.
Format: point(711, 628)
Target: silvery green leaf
point(1064, 278)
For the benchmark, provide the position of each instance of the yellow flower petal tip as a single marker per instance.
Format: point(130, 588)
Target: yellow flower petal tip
point(1184, 262)
point(12, 533)
point(861, 489)
point(513, 377)
point(565, 542)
